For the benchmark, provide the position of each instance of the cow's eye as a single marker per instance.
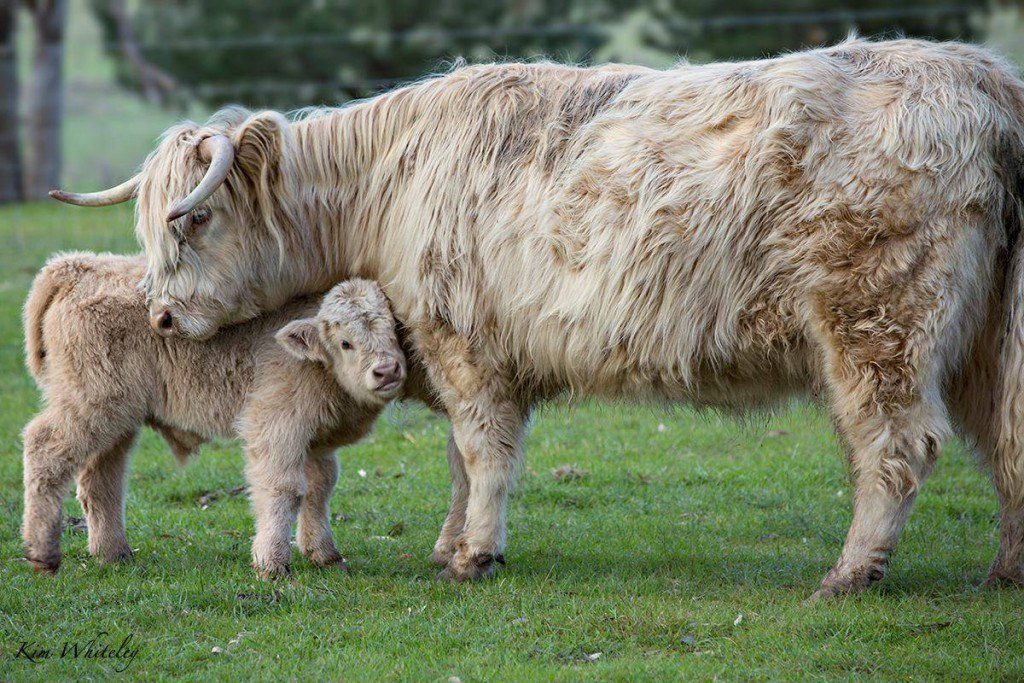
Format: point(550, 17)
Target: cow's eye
point(347, 346)
point(201, 215)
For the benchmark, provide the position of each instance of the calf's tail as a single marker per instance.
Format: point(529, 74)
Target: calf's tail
point(42, 294)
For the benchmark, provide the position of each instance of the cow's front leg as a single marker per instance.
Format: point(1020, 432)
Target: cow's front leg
point(488, 433)
point(455, 520)
point(487, 424)
point(891, 459)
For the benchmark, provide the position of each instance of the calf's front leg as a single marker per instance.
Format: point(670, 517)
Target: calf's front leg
point(315, 539)
point(277, 484)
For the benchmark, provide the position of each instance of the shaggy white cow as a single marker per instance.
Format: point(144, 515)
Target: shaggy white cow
point(841, 221)
point(294, 385)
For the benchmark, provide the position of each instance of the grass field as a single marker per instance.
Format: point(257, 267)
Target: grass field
point(686, 551)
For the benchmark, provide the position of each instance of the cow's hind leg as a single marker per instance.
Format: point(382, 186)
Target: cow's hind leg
point(101, 493)
point(890, 460)
point(314, 536)
point(973, 404)
point(882, 363)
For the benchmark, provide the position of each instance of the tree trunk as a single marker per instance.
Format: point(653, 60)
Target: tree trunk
point(10, 145)
point(46, 98)
point(157, 85)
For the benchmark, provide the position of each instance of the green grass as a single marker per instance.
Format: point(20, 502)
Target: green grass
point(649, 559)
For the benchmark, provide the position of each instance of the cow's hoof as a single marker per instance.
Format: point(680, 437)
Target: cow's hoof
point(48, 565)
point(1001, 578)
point(440, 557)
point(464, 568)
point(849, 582)
point(272, 572)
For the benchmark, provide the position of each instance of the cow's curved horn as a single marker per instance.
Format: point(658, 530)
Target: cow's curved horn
point(114, 195)
point(219, 151)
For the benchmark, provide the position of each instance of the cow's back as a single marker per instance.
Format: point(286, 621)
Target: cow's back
point(678, 242)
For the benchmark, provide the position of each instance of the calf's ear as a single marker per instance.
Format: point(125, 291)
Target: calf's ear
point(301, 338)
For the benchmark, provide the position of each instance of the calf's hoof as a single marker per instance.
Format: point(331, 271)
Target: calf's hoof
point(47, 568)
point(328, 560)
point(849, 582)
point(43, 564)
point(118, 553)
point(271, 572)
point(464, 568)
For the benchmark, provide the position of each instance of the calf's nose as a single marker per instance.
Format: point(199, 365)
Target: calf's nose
point(162, 322)
point(388, 371)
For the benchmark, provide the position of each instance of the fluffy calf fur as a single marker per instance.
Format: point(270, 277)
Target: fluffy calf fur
point(104, 374)
point(842, 222)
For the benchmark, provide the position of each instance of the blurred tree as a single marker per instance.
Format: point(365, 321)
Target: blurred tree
point(704, 29)
point(286, 53)
point(158, 86)
point(10, 144)
point(46, 97)
point(291, 53)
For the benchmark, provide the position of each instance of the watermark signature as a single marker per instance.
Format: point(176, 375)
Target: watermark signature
point(121, 652)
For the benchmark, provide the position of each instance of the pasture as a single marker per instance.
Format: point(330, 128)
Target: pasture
point(676, 546)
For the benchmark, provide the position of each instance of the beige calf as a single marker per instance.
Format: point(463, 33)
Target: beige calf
point(294, 385)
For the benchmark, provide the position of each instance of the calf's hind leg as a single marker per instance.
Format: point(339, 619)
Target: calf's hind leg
point(101, 493)
point(58, 442)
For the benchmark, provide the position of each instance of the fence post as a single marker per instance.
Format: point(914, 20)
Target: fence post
point(10, 144)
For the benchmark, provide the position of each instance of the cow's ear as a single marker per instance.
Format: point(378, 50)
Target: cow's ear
point(301, 338)
point(259, 143)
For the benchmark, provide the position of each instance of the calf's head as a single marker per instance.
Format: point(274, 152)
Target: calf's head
point(354, 335)
point(211, 217)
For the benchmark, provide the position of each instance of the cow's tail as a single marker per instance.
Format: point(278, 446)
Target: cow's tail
point(1008, 458)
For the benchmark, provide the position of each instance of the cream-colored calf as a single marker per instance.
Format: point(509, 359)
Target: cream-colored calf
point(294, 385)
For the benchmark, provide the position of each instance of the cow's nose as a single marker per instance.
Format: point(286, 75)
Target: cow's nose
point(162, 322)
